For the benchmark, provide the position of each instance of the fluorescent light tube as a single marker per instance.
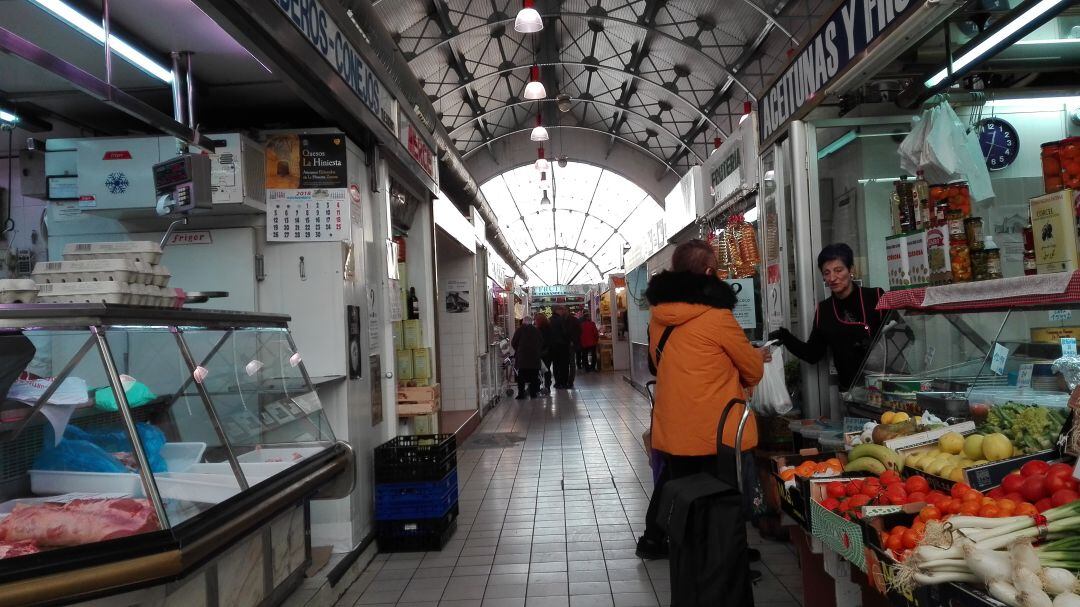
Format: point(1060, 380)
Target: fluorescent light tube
point(993, 40)
point(8, 117)
point(77, 20)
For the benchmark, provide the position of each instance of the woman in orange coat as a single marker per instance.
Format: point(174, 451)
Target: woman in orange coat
point(706, 362)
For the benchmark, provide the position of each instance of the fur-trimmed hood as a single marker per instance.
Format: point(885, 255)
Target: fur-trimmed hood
point(686, 287)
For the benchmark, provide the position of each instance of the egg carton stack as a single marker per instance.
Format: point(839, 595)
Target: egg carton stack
point(125, 273)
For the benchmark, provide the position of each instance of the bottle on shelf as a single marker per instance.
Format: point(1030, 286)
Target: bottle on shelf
point(414, 304)
point(1029, 251)
point(991, 259)
point(923, 209)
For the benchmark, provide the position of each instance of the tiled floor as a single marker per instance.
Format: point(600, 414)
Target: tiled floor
point(551, 520)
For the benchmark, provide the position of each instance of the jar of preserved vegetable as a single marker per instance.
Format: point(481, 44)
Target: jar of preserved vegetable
point(1070, 162)
point(1053, 178)
point(960, 260)
point(991, 260)
point(1029, 251)
point(973, 231)
point(959, 197)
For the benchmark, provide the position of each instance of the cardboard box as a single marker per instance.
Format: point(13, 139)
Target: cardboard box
point(412, 334)
point(422, 363)
point(896, 259)
point(404, 360)
point(1053, 222)
point(417, 394)
point(841, 535)
point(426, 424)
point(917, 259)
point(399, 335)
point(937, 255)
point(792, 495)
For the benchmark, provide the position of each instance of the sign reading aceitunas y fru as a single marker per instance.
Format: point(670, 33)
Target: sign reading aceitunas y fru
point(851, 28)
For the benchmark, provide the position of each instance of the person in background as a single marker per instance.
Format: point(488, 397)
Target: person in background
point(845, 323)
point(559, 347)
point(541, 321)
point(573, 341)
point(707, 362)
point(527, 343)
point(590, 336)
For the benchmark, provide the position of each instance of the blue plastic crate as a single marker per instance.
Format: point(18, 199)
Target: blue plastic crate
point(399, 501)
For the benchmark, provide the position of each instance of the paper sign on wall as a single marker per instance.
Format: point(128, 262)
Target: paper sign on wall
point(1068, 346)
point(746, 307)
point(1060, 315)
point(1023, 377)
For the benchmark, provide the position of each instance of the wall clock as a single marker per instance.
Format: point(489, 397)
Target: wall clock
point(999, 141)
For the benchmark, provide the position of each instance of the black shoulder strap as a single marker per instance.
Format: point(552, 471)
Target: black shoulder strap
point(660, 349)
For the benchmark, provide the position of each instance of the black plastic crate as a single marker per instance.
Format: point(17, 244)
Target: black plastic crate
point(420, 500)
point(419, 535)
point(428, 457)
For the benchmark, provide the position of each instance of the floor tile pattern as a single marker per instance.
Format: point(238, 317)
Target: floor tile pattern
point(553, 496)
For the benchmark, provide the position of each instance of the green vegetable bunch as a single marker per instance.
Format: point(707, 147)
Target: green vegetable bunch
point(1030, 428)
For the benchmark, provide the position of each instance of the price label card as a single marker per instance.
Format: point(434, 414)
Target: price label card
point(929, 358)
point(1060, 315)
point(997, 363)
point(1068, 346)
point(1023, 377)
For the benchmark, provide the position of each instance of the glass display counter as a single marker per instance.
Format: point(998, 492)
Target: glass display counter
point(129, 432)
point(953, 354)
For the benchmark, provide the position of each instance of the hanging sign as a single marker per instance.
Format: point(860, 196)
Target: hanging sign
point(746, 305)
point(836, 46)
point(733, 166)
point(421, 152)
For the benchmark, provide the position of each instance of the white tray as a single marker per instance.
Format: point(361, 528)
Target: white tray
point(95, 270)
point(190, 487)
point(253, 472)
point(108, 292)
point(135, 250)
point(57, 482)
point(285, 454)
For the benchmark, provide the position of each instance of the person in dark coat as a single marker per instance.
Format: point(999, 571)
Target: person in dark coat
point(559, 347)
point(573, 339)
point(527, 343)
point(547, 363)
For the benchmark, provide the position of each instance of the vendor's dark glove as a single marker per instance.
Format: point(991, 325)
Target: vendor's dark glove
point(782, 335)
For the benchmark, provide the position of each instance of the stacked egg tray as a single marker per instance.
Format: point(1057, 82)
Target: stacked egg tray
point(123, 273)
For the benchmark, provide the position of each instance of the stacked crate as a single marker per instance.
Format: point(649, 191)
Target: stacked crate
point(416, 492)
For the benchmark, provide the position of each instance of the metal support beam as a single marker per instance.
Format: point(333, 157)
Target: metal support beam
point(22, 48)
point(457, 63)
point(638, 52)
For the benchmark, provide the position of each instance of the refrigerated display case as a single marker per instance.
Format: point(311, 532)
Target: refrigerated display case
point(136, 445)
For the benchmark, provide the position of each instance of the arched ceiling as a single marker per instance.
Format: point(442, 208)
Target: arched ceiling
point(578, 237)
point(660, 78)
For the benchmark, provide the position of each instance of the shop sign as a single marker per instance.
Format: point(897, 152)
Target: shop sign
point(733, 166)
point(548, 291)
point(418, 148)
point(322, 32)
point(686, 201)
point(837, 45)
point(187, 238)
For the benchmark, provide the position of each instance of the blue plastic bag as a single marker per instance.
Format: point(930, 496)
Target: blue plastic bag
point(91, 450)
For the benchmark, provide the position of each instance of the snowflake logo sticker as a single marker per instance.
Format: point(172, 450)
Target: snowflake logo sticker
point(117, 183)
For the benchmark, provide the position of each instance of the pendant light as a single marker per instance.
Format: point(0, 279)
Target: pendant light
point(528, 21)
point(545, 201)
point(542, 164)
point(534, 89)
point(539, 133)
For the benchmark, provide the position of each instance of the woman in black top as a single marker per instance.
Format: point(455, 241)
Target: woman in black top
point(846, 323)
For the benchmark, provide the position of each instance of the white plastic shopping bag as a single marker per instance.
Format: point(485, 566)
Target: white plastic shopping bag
point(771, 395)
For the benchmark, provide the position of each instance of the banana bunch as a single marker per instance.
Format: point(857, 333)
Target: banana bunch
point(874, 459)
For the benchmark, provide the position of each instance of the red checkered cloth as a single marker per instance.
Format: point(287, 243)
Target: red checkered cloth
point(912, 299)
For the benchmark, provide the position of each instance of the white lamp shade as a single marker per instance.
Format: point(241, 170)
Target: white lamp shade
point(539, 134)
point(528, 21)
point(542, 164)
point(535, 90)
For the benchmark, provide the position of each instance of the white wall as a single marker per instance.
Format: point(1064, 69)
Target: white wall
point(26, 212)
point(457, 332)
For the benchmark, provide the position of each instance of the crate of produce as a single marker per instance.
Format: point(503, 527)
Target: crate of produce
point(416, 535)
point(786, 474)
point(398, 501)
point(426, 457)
point(838, 533)
point(417, 394)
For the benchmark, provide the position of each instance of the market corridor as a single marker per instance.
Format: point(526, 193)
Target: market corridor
point(553, 495)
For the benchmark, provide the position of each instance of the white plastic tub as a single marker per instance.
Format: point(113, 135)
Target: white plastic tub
point(134, 250)
point(276, 455)
point(95, 270)
point(108, 292)
point(179, 457)
point(191, 487)
point(56, 482)
point(17, 290)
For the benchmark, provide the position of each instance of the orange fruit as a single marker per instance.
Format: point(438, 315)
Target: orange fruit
point(787, 475)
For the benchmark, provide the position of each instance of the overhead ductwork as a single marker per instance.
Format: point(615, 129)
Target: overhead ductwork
point(455, 179)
